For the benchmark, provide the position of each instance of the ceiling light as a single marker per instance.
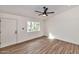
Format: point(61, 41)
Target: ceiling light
point(44, 15)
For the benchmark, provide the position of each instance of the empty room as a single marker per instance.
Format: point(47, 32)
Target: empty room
point(39, 29)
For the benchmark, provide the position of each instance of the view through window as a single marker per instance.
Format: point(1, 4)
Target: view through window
point(33, 26)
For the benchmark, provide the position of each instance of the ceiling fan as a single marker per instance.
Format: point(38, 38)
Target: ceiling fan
point(44, 13)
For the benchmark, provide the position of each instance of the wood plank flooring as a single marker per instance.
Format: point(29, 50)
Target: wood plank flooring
point(42, 46)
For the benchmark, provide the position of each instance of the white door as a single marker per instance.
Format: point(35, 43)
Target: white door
point(0, 33)
point(8, 32)
point(3, 33)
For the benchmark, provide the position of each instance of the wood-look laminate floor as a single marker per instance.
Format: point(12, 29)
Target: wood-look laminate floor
point(42, 46)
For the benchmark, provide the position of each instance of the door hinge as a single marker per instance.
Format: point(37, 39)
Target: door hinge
point(0, 42)
point(0, 20)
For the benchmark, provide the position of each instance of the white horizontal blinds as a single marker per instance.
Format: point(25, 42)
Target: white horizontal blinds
point(33, 26)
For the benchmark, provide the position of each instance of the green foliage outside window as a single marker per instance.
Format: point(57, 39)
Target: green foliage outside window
point(33, 26)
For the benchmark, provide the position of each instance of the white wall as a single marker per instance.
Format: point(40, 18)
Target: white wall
point(23, 35)
point(65, 26)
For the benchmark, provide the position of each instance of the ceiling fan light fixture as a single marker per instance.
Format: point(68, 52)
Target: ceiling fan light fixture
point(44, 15)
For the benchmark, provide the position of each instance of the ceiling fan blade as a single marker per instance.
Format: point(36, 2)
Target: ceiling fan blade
point(45, 10)
point(38, 11)
point(50, 12)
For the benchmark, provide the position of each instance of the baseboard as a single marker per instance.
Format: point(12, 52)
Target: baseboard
point(22, 42)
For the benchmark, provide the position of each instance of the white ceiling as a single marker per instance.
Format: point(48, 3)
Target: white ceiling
point(29, 10)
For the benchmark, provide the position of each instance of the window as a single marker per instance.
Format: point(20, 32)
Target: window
point(33, 26)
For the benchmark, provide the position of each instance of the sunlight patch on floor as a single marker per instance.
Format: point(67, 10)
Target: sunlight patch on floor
point(51, 36)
